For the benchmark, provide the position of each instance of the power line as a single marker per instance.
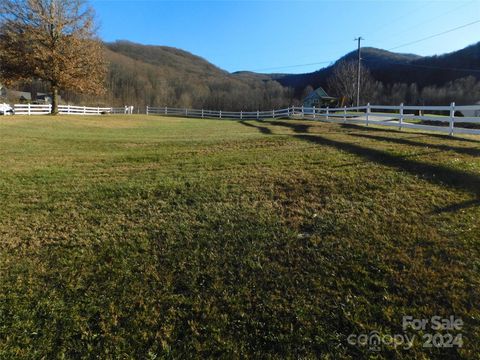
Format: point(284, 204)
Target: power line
point(396, 47)
point(424, 66)
point(383, 61)
point(291, 66)
point(386, 25)
point(435, 35)
point(429, 20)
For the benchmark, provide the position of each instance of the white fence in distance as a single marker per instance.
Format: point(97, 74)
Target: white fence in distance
point(34, 109)
point(402, 116)
point(219, 114)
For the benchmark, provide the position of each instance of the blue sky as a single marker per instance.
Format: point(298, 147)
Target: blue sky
point(267, 36)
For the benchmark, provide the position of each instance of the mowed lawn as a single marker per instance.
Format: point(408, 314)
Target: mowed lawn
point(148, 237)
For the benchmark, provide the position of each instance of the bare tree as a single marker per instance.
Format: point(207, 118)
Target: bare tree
point(51, 40)
point(343, 81)
point(306, 91)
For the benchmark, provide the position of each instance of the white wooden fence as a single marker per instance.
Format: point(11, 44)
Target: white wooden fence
point(33, 109)
point(219, 114)
point(448, 118)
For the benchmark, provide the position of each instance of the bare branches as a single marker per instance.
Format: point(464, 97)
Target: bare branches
point(343, 81)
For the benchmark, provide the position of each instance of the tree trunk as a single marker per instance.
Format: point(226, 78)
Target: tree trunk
point(54, 100)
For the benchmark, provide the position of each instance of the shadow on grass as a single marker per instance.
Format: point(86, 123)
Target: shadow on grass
point(457, 207)
point(461, 150)
point(437, 174)
point(389, 130)
point(262, 129)
point(403, 157)
point(298, 128)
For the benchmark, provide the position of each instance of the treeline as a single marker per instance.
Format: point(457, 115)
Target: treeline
point(161, 76)
point(142, 75)
point(463, 91)
point(132, 82)
point(156, 75)
point(342, 83)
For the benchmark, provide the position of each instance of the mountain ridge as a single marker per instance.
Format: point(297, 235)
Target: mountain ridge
point(153, 75)
point(386, 66)
point(389, 68)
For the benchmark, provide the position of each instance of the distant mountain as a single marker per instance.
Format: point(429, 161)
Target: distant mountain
point(251, 74)
point(390, 68)
point(143, 75)
point(160, 75)
point(166, 57)
point(437, 70)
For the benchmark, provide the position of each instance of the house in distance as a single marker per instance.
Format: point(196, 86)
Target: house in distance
point(319, 98)
point(23, 97)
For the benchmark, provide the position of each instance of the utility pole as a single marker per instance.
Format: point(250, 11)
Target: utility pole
point(358, 70)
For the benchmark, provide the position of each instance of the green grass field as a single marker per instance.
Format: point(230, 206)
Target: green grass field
point(149, 237)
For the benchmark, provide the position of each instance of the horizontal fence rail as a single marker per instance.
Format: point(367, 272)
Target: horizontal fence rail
point(32, 109)
point(451, 119)
point(35, 109)
point(219, 114)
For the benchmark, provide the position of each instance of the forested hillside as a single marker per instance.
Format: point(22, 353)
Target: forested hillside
point(158, 75)
point(142, 75)
point(407, 77)
point(161, 75)
point(377, 60)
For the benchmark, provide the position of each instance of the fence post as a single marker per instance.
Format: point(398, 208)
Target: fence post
point(84, 110)
point(68, 109)
point(273, 113)
point(146, 110)
point(327, 113)
point(29, 111)
point(258, 114)
point(303, 113)
point(220, 114)
point(50, 108)
point(367, 113)
point(166, 110)
point(401, 117)
point(186, 112)
point(241, 115)
point(202, 113)
point(452, 118)
point(344, 114)
point(98, 110)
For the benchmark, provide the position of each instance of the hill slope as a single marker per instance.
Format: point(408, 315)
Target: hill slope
point(159, 75)
point(390, 68)
point(166, 57)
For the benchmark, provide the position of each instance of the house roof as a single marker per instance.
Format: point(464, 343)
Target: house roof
point(318, 94)
point(20, 94)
